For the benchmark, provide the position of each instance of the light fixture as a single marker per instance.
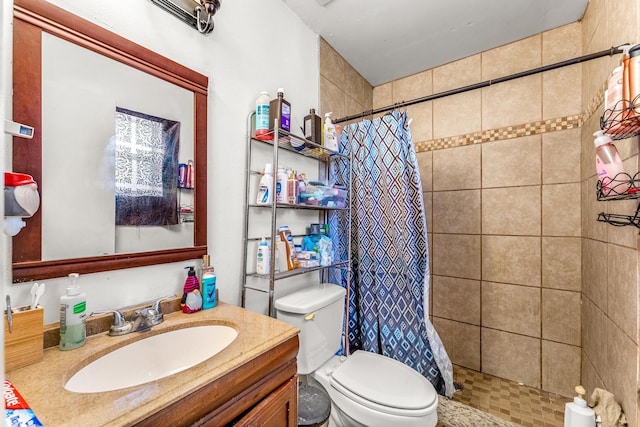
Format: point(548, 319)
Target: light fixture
point(195, 13)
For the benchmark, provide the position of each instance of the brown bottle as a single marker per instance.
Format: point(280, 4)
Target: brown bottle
point(313, 127)
point(280, 109)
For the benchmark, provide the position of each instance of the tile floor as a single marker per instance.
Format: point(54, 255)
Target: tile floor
point(522, 405)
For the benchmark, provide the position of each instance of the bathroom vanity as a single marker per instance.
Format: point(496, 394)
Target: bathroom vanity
point(253, 381)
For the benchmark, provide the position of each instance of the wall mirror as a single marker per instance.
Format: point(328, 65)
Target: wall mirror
point(76, 82)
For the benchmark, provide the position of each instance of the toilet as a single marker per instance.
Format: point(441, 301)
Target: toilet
point(366, 389)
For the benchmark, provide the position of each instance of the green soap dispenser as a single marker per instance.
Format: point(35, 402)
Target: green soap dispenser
point(73, 307)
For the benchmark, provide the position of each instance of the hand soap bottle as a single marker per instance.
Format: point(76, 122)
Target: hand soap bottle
point(208, 284)
point(608, 165)
point(191, 297)
point(577, 413)
point(73, 307)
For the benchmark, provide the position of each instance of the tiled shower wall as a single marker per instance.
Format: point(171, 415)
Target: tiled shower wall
point(526, 285)
point(609, 254)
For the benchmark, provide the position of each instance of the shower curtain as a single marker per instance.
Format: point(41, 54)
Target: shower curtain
point(389, 286)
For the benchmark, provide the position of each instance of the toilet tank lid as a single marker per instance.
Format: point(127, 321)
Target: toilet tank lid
point(310, 299)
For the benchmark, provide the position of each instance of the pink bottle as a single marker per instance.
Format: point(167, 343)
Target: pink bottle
point(608, 165)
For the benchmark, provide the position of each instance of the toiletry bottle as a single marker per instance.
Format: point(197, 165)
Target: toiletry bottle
point(292, 188)
point(281, 109)
point(330, 138)
point(265, 192)
point(313, 127)
point(634, 78)
point(281, 185)
point(191, 297)
point(263, 258)
point(262, 117)
point(608, 164)
point(73, 308)
point(577, 413)
point(626, 95)
point(208, 284)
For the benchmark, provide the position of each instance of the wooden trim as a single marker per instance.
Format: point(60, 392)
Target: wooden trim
point(233, 394)
point(280, 409)
point(31, 18)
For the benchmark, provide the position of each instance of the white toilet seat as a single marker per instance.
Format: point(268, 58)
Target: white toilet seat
point(384, 385)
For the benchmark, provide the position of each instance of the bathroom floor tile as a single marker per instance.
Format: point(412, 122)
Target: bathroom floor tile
point(508, 400)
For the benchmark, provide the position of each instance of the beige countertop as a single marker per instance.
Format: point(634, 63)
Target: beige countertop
point(42, 384)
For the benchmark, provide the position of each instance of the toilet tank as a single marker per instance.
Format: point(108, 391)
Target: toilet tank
point(318, 312)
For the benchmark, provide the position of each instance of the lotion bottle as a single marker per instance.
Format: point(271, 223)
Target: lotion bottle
point(208, 282)
point(263, 258)
point(577, 413)
point(330, 136)
point(73, 307)
point(281, 185)
point(265, 190)
point(608, 164)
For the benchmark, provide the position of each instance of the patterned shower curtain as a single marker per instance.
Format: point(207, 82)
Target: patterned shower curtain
point(388, 290)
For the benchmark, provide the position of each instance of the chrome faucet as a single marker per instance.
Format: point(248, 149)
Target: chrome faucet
point(142, 320)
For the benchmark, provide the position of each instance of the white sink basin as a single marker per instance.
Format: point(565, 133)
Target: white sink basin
point(152, 358)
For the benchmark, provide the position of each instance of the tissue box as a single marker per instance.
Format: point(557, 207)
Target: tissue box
point(24, 345)
point(323, 195)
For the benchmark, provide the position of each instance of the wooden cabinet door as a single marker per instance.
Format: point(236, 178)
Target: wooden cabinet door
point(279, 409)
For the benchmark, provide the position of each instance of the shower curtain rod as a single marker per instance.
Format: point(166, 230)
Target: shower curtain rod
point(607, 52)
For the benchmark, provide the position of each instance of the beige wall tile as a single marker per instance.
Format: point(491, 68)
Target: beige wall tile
point(456, 299)
point(352, 107)
point(382, 96)
point(560, 368)
point(511, 259)
point(594, 271)
point(354, 84)
point(512, 58)
point(368, 96)
point(561, 210)
point(427, 199)
point(560, 156)
point(562, 263)
point(591, 228)
point(412, 87)
point(622, 378)
point(562, 92)
point(512, 162)
point(594, 337)
point(461, 340)
point(623, 289)
point(590, 378)
point(511, 308)
point(588, 157)
point(561, 316)
point(622, 17)
point(332, 99)
point(457, 74)
point(456, 255)
point(511, 356)
point(561, 43)
point(456, 168)
point(425, 164)
point(422, 123)
point(511, 211)
point(457, 114)
point(332, 65)
point(623, 236)
point(512, 103)
point(456, 212)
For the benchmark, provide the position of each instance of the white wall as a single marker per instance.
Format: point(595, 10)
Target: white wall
point(256, 45)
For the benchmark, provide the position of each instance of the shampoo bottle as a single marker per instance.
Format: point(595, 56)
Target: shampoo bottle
point(208, 281)
point(608, 164)
point(262, 116)
point(265, 190)
point(577, 413)
point(73, 308)
point(281, 185)
point(330, 136)
point(263, 258)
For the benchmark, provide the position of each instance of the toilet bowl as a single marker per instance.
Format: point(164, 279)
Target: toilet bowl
point(366, 389)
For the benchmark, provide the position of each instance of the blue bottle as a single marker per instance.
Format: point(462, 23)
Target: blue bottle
point(208, 282)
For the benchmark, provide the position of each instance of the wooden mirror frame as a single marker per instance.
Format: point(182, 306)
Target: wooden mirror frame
point(30, 19)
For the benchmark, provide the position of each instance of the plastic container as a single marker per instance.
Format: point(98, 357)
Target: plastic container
point(282, 179)
point(73, 308)
point(577, 413)
point(330, 136)
point(280, 109)
point(316, 194)
point(608, 164)
point(262, 116)
point(263, 258)
point(208, 282)
point(191, 296)
point(265, 190)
